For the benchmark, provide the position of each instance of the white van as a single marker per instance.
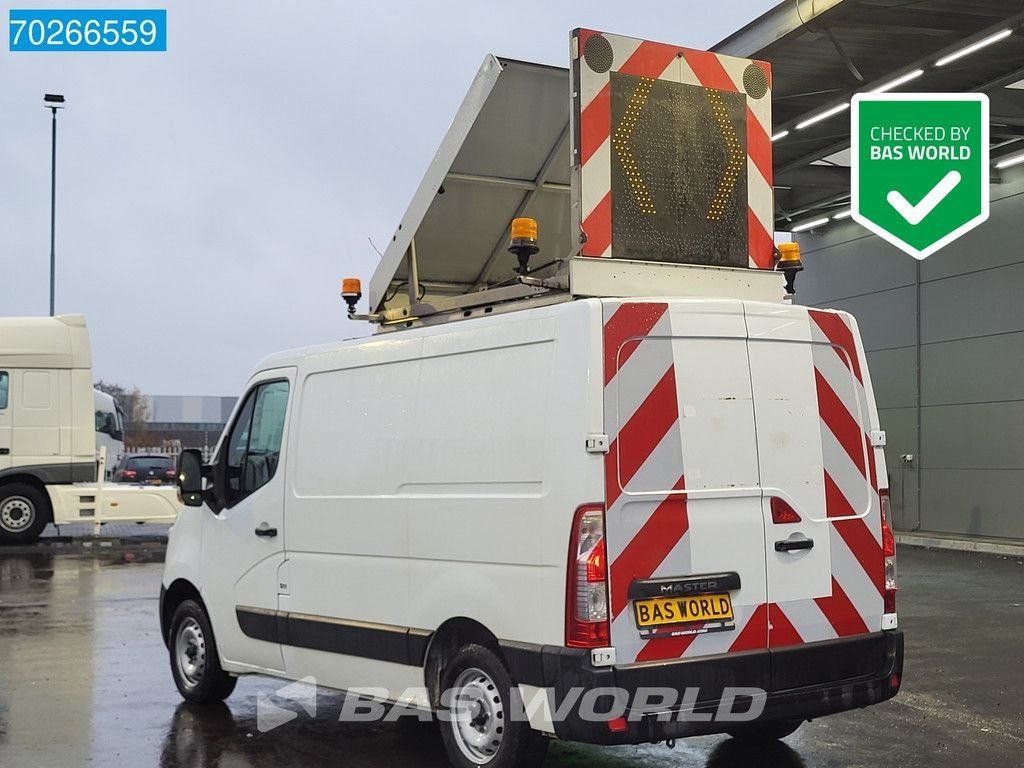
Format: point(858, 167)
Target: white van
point(626, 494)
point(471, 531)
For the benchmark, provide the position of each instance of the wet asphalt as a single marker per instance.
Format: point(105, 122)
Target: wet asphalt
point(84, 681)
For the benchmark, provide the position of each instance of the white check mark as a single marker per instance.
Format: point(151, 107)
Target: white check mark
point(915, 214)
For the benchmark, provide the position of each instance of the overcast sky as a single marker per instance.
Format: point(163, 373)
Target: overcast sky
point(210, 198)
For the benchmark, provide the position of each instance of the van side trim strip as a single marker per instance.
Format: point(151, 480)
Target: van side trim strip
point(380, 642)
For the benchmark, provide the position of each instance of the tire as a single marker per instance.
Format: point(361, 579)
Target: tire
point(763, 732)
point(477, 681)
point(195, 664)
point(24, 513)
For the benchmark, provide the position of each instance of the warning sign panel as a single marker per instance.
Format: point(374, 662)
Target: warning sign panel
point(671, 153)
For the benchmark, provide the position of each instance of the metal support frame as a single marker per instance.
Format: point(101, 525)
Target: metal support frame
point(414, 274)
point(921, 63)
point(825, 202)
point(537, 185)
point(844, 55)
point(433, 311)
point(805, 160)
point(802, 162)
point(780, 21)
point(505, 181)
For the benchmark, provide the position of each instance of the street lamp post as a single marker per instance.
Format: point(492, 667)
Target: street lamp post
point(53, 102)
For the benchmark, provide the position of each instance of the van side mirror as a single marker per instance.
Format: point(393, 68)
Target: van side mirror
point(190, 477)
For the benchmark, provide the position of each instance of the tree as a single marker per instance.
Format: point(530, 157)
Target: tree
point(133, 403)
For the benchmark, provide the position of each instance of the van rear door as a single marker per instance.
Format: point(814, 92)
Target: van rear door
point(817, 459)
point(684, 521)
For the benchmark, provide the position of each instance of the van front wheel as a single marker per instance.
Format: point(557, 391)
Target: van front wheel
point(194, 661)
point(481, 714)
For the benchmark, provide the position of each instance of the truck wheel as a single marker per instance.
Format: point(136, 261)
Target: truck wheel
point(24, 513)
point(195, 664)
point(479, 725)
point(762, 732)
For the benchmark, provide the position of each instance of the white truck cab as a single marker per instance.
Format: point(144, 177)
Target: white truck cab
point(50, 435)
point(600, 503)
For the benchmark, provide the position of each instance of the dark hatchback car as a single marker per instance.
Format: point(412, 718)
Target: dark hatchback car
point(154, 470)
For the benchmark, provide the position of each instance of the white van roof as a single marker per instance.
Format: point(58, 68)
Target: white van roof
point(45, 342)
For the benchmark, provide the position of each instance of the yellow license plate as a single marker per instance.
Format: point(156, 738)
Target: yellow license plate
point(664, 611)
point(155, 481)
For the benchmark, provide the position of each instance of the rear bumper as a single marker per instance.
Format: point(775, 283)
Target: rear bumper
point(798, 683)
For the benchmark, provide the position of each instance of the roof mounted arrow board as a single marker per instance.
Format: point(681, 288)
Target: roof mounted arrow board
point(672, 153)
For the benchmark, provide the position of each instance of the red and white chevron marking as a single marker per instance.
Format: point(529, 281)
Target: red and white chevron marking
point(649, 533)
point(644, 58)
point(641, 416)
point(854, 605)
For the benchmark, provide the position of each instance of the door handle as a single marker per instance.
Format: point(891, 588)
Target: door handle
point(5, 451)
point(792, 545)
point(266, 530)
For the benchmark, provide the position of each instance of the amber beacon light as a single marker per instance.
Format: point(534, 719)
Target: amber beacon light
point(523, 242)
point(351, 292)
point(789, 264)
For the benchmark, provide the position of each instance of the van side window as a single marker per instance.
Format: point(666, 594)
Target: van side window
point(4, 387)
point(254, 445)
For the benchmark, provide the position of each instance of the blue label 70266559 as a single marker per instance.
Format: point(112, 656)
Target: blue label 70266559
point(78, 30)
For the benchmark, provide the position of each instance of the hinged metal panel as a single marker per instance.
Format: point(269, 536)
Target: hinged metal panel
point(505, 155)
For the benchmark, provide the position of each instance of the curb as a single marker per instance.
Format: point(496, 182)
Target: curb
point(93, 545)
point(1008, 548)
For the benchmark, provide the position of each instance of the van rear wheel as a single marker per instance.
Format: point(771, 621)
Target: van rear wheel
point(24, 513)
point(195, 664)
point(762, 732)
point(481, 723)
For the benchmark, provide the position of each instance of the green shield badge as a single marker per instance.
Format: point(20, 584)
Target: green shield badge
point(919, 167)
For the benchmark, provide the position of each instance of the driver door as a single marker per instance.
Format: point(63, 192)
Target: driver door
point(243, 542)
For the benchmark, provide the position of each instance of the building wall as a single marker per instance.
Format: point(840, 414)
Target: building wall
point(198, 409)
point(945, 345)
point(175, 422)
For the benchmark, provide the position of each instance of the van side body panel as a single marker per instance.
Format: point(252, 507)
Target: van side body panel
point(434, 475)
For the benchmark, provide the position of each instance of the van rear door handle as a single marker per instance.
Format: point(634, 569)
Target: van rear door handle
point(790, 545)
point(266, 530)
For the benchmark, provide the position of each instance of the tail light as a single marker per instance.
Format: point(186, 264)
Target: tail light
point(782, 512)
point(586, 592)
point(128, 474)
point(888, 552)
